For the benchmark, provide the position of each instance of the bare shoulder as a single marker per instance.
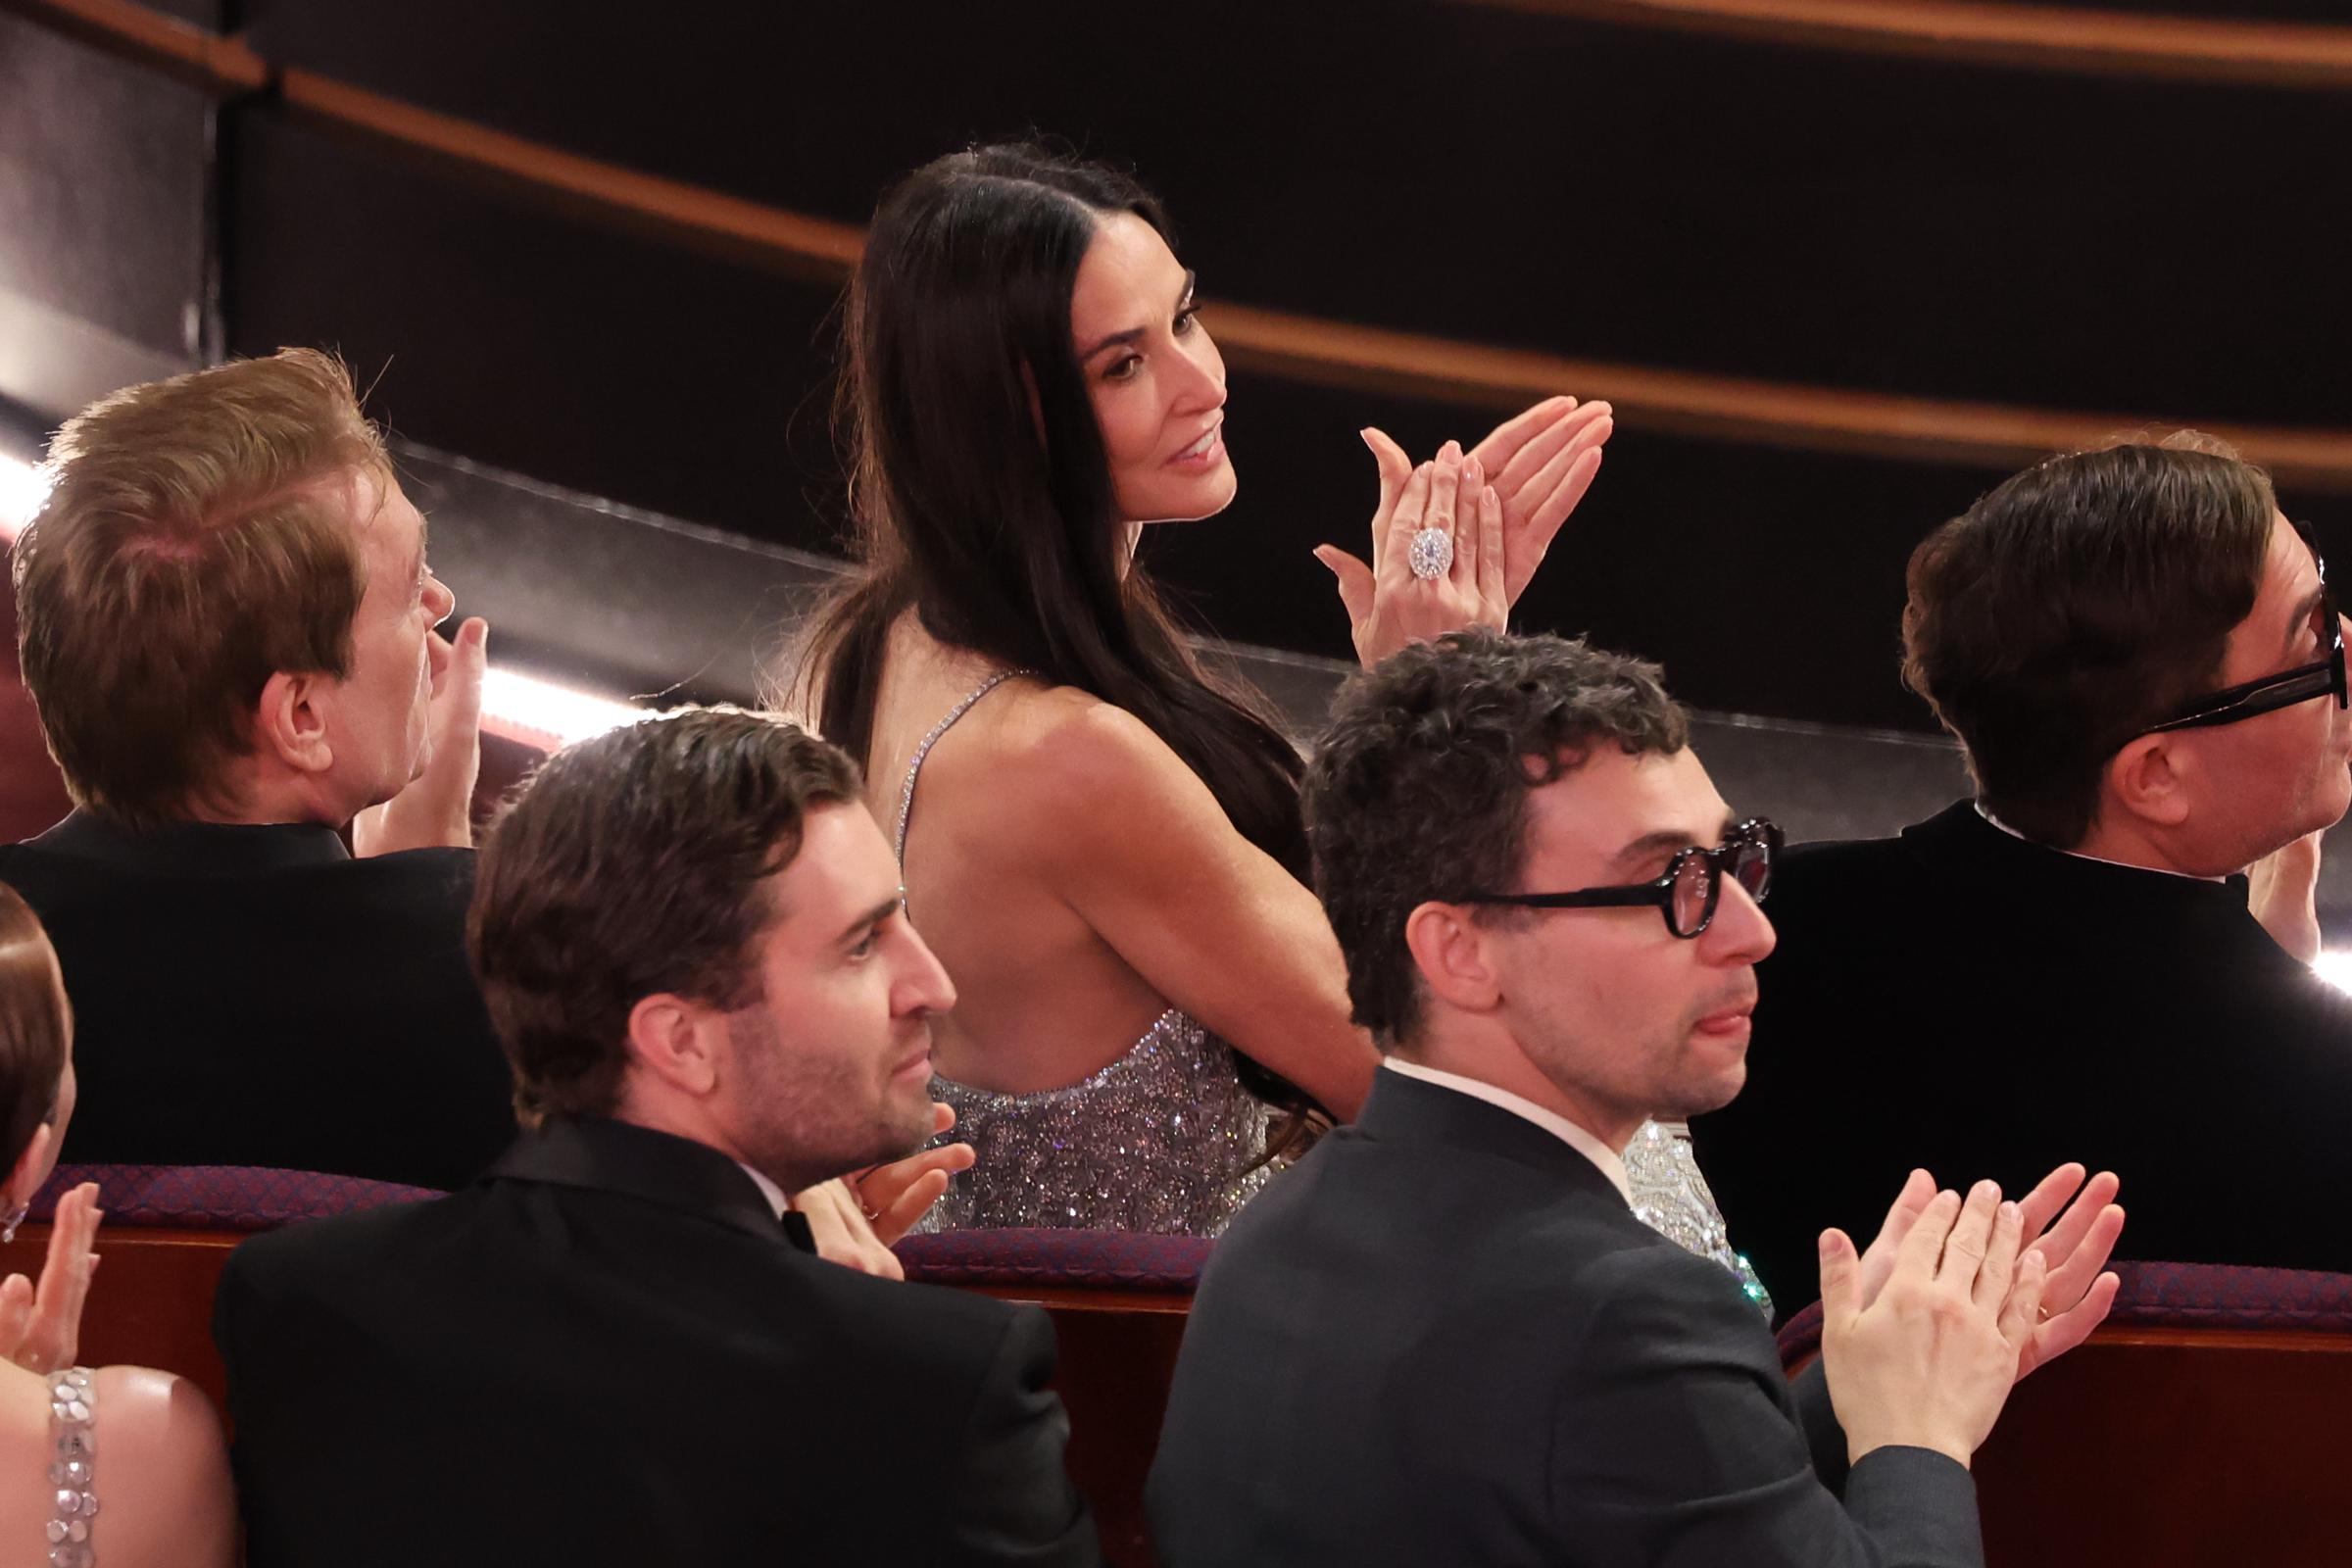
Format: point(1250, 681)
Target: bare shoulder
point(163, 1474)
point(1069, 747)
point(1075, 774)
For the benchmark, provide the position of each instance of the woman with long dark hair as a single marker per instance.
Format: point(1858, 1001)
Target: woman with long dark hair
point(163, 1479)
point(1106, 850)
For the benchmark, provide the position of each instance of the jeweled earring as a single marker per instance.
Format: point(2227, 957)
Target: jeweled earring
point(15, 1218)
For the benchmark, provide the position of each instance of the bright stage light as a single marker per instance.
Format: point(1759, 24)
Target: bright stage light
point(542, 714)
point(21, 487)
point(520, 707)
point(2335, 967)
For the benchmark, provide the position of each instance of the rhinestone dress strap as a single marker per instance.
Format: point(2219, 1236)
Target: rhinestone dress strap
point(73, 1499)
point(923, 747)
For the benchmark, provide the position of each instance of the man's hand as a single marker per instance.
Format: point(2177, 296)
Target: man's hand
point(1539, 463)
point(2282, 892)
point(856, 1219)
point(1929, 1362)
point(895, 1196)
point(1878, 1262)
point(40, 1330)
point(842, 1232)
point(436, 809)
point(2075, 1245)
point(2074, 1249)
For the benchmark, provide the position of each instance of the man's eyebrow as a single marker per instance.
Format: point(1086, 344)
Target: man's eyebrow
point(857, 929)
point(1666, 841)
point(2303, 614)
point(1135, 333)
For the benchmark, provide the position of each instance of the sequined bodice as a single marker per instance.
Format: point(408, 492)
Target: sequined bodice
point(1672, 1198)
point(1165, 1139)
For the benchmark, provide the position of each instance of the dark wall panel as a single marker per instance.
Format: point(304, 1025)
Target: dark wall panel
point(1866, 221)
point(103, 220)
point(494, 328)
point(1768, 581)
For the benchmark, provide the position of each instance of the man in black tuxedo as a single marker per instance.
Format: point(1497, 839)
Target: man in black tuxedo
point(618, 1347)
point(2137, 652)
point(1443, 1337)
point(227, 625)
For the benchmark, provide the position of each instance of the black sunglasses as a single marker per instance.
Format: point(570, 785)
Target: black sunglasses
point(2321, 678)
point(1687, 895)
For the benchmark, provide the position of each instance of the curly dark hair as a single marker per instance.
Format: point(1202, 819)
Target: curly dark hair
point(630, 865)
point(2077, 604)
point(1419, 787)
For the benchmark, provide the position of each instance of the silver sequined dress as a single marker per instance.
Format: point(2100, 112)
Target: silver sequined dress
point(1165, 1139)
point(1672, 1198)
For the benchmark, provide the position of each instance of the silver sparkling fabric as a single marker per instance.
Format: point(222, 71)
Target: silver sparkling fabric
point(1161, 1140)
point(1165, 1139)
point(1672, 1198)
point(72, 1472)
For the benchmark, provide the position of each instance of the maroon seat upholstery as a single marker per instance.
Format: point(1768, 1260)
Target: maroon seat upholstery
point(2216, 1295)
point(1111, 1260)
point(220, 1197)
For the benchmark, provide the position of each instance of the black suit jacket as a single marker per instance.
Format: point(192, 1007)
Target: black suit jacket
point(1962, 1000)
point(254, 996)
point(609, 1351)
point(1444, 1338)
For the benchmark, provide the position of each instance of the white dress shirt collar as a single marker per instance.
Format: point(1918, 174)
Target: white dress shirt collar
point(2161, 870)
point(1611, 1163)
point(769, 1190)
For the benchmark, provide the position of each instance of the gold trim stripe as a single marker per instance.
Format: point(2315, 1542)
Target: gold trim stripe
point(1302, 348)
point(2274, 54)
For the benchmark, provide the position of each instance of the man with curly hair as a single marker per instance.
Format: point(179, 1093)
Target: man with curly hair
point(1444, 1336)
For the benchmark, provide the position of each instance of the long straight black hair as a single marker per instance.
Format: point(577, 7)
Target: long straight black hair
point(955, 355)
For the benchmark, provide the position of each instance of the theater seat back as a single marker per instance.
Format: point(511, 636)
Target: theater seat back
point(1117, 1299)
point(2205, 1422)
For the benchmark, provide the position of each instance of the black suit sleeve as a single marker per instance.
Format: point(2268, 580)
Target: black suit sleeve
point(1824, 1436)
point(1677, 1443)
point(1011, 1501)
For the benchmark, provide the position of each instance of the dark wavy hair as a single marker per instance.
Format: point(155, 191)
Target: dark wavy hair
point(955, 354)
point(1420, 788)
point(631, 864)
point(2074, 605)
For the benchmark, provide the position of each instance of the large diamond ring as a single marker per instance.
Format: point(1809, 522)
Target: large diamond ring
point(1432, 552)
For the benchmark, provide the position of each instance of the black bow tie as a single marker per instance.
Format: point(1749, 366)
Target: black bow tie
point(795, 1225)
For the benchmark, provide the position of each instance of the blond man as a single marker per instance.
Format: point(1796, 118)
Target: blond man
point(227, 625)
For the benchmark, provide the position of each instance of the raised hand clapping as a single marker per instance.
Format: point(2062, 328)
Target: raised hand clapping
point(1532, 470)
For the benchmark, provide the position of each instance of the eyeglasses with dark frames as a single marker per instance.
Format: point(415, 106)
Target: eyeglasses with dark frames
point(1688, 894)
point(2323, 677)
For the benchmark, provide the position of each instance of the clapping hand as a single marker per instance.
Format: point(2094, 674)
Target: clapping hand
point(1929, 1360)
point(1399, 602)
point(1539, 463)
point(40, 1328)
point(2073, 1239)
point(436, 809)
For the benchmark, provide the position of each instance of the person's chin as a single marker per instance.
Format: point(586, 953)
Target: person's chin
point(1706, 1092)
point(1195, 501)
